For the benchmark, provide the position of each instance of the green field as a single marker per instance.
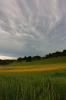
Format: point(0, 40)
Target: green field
point(54, 60)
point(34, 85)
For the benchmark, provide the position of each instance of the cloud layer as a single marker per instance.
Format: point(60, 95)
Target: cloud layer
point(32, 27)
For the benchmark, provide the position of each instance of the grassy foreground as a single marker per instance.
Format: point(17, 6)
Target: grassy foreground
point(33, 86)
point(43, 80)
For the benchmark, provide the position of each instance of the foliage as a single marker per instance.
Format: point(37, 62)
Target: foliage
point(50, 55)
point(19, 59)
point(56, 54)
point(34, 58)
point(6, 62)
point(29, 59)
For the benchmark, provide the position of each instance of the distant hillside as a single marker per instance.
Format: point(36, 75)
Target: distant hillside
point(57, 57)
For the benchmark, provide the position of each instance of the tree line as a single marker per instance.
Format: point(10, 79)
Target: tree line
point(56, 54)
point(33, 58)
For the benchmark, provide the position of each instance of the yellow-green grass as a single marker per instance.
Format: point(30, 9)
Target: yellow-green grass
point(33, 68)
point(42, 65)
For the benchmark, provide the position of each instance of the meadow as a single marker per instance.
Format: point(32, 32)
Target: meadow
point(33, 86)
point(39, 80)
point(54, 60)
point(55, 63)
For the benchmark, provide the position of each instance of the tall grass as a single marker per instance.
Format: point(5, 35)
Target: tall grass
point(33, 86)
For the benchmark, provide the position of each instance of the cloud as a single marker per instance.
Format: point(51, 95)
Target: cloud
point(6, 57)
point(31, 27)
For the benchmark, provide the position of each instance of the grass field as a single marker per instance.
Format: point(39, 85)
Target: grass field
point(43, 80)
point(33, 86)
point(42, 65)
point(55, 60)
point(33, 68)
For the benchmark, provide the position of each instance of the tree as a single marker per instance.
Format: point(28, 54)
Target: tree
point(36, 58)
point(19, 59)
point(29, 59)
point(64, 52)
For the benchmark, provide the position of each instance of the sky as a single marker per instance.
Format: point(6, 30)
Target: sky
point(32, 27)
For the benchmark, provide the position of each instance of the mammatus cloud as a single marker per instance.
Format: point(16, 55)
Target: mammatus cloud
point(32, 27)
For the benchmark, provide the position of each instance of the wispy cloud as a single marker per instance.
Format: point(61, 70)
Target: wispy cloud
point(31, 27)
